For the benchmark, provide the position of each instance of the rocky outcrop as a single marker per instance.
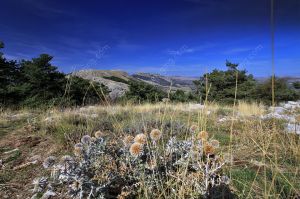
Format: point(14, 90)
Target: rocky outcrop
point(116, 89)
point(286, 111)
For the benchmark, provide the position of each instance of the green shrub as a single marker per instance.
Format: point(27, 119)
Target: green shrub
point(296, 85)
point(221, 85)
point(282, 91)
point(143, 92)
point(181, 96)
point(116, 79)
point(82, 92)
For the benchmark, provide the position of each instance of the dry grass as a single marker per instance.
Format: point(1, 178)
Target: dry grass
point(251, 109)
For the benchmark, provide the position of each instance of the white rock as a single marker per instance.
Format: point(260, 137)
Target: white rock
point(288, 106)
point(94, 115)
point(293, 128)
point(277, 110)
point(278, 116)
point(293, 103)
point(224, 119)
point(196, 106)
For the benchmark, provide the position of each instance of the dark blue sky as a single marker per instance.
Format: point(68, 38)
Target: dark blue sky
point(171, 37)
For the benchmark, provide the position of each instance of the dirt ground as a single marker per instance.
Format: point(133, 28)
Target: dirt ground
point(22, 151)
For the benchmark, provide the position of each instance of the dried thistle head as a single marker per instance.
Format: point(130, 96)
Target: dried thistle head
point(128, 140)
point(202, 135)
point(78, 145)
point(123, 195)
point(49, 162)
point(155, 134)
point(209, 149)
point(86, 139)
point(75, 185)
point(136, 149)
point(98, 134)
point(66, 159)
point(151, 164)
point(215, 143)
point(140, 138)
point(78, 149)
point(193, 128)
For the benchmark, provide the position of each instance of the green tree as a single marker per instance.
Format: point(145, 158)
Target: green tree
point(37, 82)
point(79, 91)
point(231, 66)
point(181, 96)
point(9, 76)
point(220, 85)
point(282, 91)
point(143, 92)
point(296, 85)
point(41, 82)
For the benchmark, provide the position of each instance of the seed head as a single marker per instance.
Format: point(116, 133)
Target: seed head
point(66, 159)
point(202, 135)
point(140, 138)
point(78, 149)
point(136, 149)
point(86, 139)
point(209, 149)
point(215, 143)
point(155, 134)
point(151, 164)
point(128, 140)
point(193, 128)
point(75, 185)
point(78, 145)
point(98, 134)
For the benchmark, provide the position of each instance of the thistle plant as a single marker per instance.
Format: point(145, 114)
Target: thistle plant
point(143, 165)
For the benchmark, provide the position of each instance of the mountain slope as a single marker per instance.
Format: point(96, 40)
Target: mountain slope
point(116, 88)
point(117, 81)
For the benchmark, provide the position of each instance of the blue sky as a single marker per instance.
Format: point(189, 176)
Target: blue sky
point(170, 37)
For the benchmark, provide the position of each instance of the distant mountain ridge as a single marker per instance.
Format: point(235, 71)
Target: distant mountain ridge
point(116, 80)
point(175, 82)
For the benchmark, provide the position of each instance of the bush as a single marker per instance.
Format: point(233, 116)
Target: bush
point(181, 96)
point(143, 92)
point(282, 91)
point(296, 85)
point(100, 168)
point(82, 92)
point(221, 85)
